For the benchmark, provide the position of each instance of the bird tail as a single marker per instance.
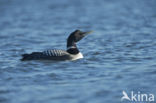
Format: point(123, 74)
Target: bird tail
point(32, 56)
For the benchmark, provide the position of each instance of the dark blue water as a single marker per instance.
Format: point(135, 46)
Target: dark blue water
point(119, 55)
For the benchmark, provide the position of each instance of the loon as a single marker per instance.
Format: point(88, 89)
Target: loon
point(72, 52)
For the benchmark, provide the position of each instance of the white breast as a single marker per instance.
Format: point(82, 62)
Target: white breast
point(77, 56)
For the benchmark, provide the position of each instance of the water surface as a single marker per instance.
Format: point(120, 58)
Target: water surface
point(119, 55)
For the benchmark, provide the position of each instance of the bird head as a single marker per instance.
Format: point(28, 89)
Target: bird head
point(77, 35)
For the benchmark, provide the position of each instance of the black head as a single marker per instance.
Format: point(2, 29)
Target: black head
point(77, 35)
point(74, 37)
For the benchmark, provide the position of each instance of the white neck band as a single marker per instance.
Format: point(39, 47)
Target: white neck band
point(70, 47)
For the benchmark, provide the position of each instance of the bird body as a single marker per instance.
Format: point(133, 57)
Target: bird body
point(52, 55)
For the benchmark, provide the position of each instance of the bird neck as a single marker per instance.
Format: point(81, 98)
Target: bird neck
point(72, 48)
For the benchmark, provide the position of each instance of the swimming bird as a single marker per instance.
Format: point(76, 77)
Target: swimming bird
point(72, 52)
